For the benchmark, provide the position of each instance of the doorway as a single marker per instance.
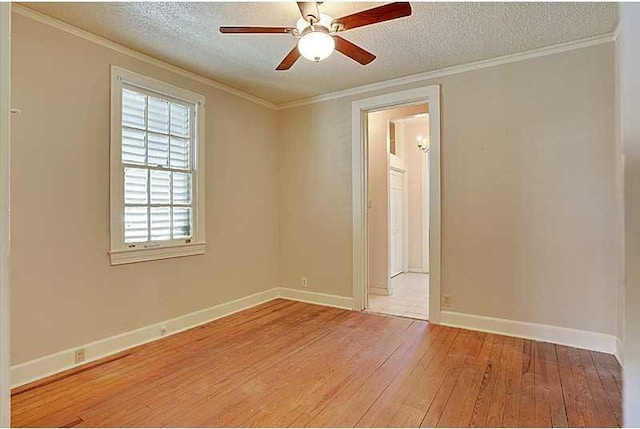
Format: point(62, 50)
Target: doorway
point(398, 279)
point(363, 268)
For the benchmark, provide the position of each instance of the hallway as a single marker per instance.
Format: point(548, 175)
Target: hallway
point(409, 297)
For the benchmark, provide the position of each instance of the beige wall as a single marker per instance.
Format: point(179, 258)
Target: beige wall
point(378, 175)
point(528, 191)
point(417, 171)
point(64, 291)
point(629, 75)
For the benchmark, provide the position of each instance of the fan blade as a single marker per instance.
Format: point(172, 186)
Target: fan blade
point(289, 60)
point(309, 10)
point(256, 30)
point(353, 51)
point(383, 13)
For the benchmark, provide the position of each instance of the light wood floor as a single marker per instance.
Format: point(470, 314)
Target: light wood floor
point(286, 363)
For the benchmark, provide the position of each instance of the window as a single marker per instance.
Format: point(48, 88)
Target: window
point(157, 170)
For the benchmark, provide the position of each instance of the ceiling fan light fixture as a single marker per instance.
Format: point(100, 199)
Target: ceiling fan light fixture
point(316, 44)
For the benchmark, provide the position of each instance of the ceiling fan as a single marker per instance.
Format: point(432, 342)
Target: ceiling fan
point(317, 33)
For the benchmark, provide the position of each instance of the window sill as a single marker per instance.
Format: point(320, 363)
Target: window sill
point(120, 257)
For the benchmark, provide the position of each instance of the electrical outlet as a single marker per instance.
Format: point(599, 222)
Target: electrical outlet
point(447, 301)
point(163, 330)
point(79, 355)
point(304, 282)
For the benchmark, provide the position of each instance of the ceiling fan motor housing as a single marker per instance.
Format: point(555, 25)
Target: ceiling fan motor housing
point(314, 29)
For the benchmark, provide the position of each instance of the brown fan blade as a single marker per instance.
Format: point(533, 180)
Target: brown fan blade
point(256, 30)
point(289, 60)
point(383, 13)
point(309, 10)
point(353, 51)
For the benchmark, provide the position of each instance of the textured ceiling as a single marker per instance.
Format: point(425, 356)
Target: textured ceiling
point(437, 35)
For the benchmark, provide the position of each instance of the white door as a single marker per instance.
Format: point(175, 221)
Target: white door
point(396, 222)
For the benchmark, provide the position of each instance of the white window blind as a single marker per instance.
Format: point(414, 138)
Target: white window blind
point(157, 168)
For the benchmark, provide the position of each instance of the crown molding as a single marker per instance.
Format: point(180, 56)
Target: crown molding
point(60, 25)
point(511, 58)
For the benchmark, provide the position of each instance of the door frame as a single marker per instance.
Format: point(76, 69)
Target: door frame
point(5, 136)
point(359, 158)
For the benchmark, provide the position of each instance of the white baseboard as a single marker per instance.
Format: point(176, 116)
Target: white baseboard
point(52, 364)
point(48, 365)
point(379, 291)
point(344, 302)
point(534, 331)
point(619, 351)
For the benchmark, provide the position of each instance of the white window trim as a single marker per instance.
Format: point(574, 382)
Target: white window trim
point(119, 253)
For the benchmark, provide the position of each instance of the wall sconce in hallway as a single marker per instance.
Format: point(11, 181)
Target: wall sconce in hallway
point(423, 143)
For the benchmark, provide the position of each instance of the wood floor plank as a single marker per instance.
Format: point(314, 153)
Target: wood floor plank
point(423, 385)
point(585, 401)
point(259, 315)
point(498, 402)
point(542, 407)
point(486, 394)
point(319, 375)
point(153, 371)
point(511, 413)
point(351, 405)
point(527, 387)
point(570, 389)
point(219, 371)
point(609, 363)
point(456, 357)
point(407, 399)
point(605, 415)
point(459, 408)
point(550, 387)
point(109, 378)
point(286, 363)
point(356, 356)
point(609, 372)
point(353, 383)
point(227, 404)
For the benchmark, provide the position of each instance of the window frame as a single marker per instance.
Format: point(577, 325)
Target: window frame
point(125, 253)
